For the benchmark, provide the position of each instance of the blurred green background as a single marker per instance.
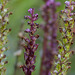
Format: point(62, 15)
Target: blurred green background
point(19, 9)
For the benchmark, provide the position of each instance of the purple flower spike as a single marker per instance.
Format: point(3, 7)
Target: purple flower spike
point(30, 45)
point(50, 33)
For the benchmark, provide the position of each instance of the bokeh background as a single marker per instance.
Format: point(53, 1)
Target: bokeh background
point(14, 54)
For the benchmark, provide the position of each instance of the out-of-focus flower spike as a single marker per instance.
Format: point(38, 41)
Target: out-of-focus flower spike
point(4, 20)
point(49, 16)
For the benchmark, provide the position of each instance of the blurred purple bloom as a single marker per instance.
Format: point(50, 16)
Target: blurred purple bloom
point(50, 33)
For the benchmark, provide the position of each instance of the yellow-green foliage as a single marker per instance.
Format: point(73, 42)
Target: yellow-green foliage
point(4, 15)
point(62, 63)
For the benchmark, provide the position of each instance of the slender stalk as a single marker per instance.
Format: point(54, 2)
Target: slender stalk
point(19, 51)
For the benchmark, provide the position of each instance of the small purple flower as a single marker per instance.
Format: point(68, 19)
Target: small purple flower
point(31, 10)
point(67, 3)
point(36, 15)
point(66, 11)
point(72, 7)
point(27, 17)
point(71, 14)
point(27, 30)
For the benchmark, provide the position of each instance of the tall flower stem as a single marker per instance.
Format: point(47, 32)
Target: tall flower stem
point(30, 43)
point(50, 33)
point(4, 20)
point(62, 63)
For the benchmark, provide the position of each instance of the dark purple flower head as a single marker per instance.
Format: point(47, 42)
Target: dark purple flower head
point(31, 45)
point(35, 16)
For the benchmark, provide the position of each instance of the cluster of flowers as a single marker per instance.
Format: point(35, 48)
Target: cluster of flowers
point(51, 54)
point(50, 50)
point(62, 63)
point(30, 43)
point(3, 35)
